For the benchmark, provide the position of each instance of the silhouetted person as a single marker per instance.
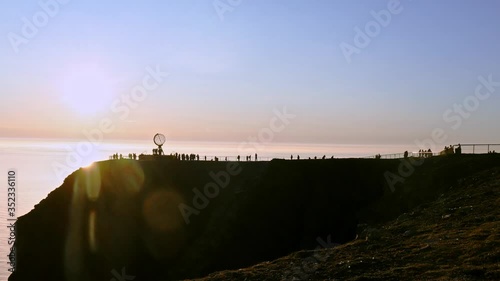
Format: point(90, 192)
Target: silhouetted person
point(429, 152)
point(298, 157)
point(255, 156)
point(458, 150)
point(406, 154)
point(121, 156)
point(205, 158)
point(225, 159)
point(238, 158)
point(315, 158)
point(291, 157)
point(197, 157)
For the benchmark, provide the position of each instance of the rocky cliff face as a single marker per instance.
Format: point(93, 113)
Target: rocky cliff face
point(454, 237)
point(169, 220)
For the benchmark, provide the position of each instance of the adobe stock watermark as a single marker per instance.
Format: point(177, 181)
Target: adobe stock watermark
point(454, 116)
point(221, 180)
point(30, 28)
point(120, 107)
point(483, 91)
point(277, 124)
point(223, 6)
point(121, 276)
point(363, 37)
point(211, 190)
point(304, 269)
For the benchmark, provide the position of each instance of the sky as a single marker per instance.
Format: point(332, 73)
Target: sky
point(349, 72)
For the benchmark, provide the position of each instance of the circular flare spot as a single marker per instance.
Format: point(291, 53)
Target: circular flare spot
point(161, 211)
point(92, 231)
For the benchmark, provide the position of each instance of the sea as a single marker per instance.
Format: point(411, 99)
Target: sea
point(38, 166)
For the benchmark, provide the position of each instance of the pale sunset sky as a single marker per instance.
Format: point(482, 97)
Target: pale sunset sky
point(229, 69)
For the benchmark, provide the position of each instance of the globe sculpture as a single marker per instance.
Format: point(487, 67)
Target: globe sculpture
point(159, 140)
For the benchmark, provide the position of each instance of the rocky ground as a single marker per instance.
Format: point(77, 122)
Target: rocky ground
point(455, 237)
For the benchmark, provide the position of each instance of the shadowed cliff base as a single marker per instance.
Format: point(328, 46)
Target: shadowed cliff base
point(169, 220)
point(455, 237)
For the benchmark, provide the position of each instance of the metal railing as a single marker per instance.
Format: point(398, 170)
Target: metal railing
point(478, 145)
point(402, 155)
point(488, 146)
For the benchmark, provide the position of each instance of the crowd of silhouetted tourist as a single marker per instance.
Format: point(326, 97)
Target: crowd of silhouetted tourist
point(157, 151)
point(422, 153)
point(187, 157)
point(120, 156)
point(449, 150)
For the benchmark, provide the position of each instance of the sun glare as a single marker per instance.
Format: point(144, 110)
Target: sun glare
point(87, 89)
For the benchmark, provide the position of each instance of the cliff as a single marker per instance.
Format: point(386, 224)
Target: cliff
point(454, 237)
point(169, 220)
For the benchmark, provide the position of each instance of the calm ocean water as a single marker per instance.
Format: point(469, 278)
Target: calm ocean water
point(35, 160)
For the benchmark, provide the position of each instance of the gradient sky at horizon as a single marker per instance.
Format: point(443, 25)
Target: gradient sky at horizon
point(227, 77)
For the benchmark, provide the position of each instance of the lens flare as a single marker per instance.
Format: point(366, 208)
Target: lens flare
point(92, 232)
point(161, 211)
point(165, 235)
point(91, 181)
